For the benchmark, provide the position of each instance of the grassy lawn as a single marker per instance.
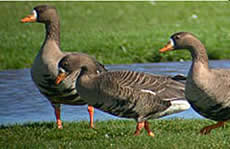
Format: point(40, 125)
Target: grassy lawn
point(117, 134)
point(115, 32)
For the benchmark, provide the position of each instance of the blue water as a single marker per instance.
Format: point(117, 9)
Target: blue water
point(21, 102)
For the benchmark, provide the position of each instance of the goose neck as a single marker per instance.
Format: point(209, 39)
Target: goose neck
point(53, 31)
point(199, 54)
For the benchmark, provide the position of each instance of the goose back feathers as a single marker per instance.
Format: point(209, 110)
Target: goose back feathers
point(126, 93)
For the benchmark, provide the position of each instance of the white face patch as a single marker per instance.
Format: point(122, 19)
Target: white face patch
point(34, 12)
point(61, 70)
point(171, 42)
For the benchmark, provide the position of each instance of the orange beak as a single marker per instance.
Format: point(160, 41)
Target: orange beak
point(61, 76)
point(167, 47)
point(29, 18)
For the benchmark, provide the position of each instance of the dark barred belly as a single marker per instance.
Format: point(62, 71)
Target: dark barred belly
point(119, 108)
point(60, 95)
point(205, 105)
point(216, 112)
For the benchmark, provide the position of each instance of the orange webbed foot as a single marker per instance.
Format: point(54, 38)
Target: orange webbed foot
point(206, 130)
point(144, 124)
point(91, 113)
point(59, 123)
point(58, 116)
point(140, 125)
point(147, 128)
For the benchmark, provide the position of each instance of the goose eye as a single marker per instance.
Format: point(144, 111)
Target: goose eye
point(65, 64)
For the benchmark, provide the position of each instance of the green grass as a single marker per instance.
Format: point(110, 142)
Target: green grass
point(115, 32)
point(117, 134)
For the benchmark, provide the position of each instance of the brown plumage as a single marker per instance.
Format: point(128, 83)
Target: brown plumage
point(44, 70)
point(207, 89)
point(129, 94)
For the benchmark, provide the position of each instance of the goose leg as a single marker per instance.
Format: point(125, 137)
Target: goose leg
point(140, 125)
point(91, 112)
point(58, 115)
point(207, 129)
point(147, 128)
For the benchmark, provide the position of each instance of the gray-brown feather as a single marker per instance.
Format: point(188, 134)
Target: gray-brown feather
point(209, 94)
point(207, 89)
point(44, 74)
point(126, 93)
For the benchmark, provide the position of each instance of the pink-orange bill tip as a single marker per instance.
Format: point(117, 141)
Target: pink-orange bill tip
point(60, 78)
point(29, 18)
point(167, 47)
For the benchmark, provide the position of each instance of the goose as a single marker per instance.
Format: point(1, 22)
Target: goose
point(127, 94)
point(44, 69)
point(207, 89)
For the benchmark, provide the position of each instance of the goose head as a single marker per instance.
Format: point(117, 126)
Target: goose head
point(42, 14)
point(77, 65)
point(66, 66)
point(180, 40)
